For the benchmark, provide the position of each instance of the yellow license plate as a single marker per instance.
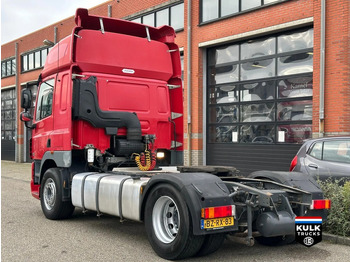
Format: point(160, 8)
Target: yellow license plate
point(217, 222)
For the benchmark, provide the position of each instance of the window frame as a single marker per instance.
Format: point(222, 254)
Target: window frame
point(25, 58)
point(240, 11)
point(139, 18)
point(13, 66)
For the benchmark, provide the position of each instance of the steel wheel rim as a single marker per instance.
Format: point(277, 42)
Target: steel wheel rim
point(49, 194)
point(165, 219)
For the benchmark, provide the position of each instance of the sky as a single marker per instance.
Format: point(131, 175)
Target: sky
point(22, 17)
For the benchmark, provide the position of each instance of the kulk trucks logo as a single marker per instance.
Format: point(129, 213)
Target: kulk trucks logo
point(308, 230)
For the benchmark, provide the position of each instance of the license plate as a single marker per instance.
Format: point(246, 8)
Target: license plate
point(217, 222)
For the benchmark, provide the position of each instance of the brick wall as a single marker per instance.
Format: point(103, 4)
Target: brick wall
point(196, 157)
point(337, 67)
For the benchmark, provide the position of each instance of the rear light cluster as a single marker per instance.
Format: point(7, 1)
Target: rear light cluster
point(216, 212)
point(293, 163)
point(321, 204)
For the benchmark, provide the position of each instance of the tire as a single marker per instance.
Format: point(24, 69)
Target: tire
point(51, 196)
point(168, 224)
point(275, 241)
point(211, 244)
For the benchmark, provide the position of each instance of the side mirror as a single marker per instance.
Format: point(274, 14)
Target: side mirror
point(26, 99)
point(26, 117)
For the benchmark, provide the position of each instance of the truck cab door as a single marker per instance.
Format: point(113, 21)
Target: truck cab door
point(43, 119)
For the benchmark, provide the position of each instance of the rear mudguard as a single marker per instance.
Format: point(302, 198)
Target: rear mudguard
point(297, 180)
point(293, 179)
point(199, 190)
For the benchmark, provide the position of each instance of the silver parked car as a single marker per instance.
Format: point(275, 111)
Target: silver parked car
point(324, 157)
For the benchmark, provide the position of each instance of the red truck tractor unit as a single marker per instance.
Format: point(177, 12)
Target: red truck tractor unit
point(108, 113)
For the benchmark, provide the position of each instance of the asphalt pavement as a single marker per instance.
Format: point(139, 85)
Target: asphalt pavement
point(26, 235)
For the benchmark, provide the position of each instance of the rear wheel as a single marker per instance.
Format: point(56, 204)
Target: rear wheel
point(168, 224)
point(51, 196)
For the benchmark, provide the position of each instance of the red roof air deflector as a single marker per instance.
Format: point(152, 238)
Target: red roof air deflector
point(165, 34)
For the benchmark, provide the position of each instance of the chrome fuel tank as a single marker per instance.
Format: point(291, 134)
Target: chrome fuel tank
point(108, 193)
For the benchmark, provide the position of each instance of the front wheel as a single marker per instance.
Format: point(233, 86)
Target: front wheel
point(51, 196)
point(168, 224)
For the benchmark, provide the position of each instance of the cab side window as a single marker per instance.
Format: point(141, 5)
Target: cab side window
point(45, 99)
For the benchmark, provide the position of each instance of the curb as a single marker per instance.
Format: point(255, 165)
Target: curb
point(336, 239)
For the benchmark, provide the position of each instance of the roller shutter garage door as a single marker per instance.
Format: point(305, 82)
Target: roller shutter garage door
point(259, 101)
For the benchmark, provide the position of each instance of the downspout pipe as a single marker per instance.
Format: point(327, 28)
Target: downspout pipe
point(18, 151)
point(322, 67)
point(109, 10)
point(55, 34)
point(189, 78)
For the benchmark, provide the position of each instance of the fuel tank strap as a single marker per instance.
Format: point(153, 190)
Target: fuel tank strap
point(120, 202)
point(82, 189)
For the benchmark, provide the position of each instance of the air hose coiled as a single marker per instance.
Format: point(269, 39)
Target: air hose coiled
point(145, 161)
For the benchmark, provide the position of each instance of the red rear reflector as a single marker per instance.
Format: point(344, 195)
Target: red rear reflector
point(293, 163)
point(321, 204)
point(215, 212)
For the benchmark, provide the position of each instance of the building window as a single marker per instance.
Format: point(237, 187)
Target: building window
point(162, 17)
point(245, 5)
point(260, 91)
point(148, 19)
point(8, 114)
point(8, 67)
point(228, 7)
point(177, 16)
point(210, 9)
point(34, 60)
point(171, 15)
point(216, 9)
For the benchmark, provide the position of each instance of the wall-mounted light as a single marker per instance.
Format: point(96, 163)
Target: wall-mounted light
point(48, 43)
